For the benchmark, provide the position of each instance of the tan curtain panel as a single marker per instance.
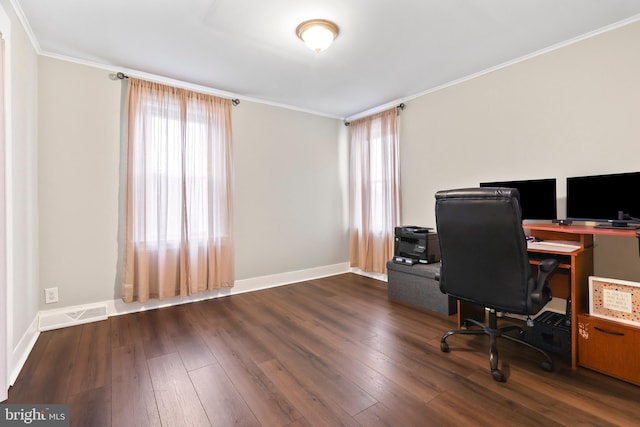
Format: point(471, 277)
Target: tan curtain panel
point(179, 213)
point(374, 190)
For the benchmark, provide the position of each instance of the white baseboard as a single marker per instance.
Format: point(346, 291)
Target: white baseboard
point(75, 315)
point(264, 282)
point(377, 276)
point(21, 351)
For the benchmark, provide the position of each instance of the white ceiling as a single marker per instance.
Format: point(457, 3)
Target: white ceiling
point(387, 51)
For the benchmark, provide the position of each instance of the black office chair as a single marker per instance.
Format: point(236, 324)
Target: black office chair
point(484, 261)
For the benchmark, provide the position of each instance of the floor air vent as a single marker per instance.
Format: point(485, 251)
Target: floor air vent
point(61, 319)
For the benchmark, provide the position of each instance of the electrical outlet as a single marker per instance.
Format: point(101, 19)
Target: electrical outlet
point(50, 295)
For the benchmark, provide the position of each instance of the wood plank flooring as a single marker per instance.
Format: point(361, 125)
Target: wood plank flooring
point(327, 352)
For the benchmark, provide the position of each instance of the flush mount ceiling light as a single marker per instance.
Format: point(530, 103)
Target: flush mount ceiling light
point(318, 34)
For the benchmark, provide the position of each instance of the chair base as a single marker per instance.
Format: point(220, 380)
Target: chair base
point(494, 333)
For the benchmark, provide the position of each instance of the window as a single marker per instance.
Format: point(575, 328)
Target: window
point(179, 192)
point(378, 181)
point(374, 190)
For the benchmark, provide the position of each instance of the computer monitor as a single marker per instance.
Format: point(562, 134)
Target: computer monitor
point(537, 197)
point(611, 199)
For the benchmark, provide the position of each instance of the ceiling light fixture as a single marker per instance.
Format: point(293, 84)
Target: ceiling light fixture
point(318, 34)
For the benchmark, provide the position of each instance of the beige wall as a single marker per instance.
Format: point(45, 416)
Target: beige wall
point(78, 181)
point(573, 111)
point(289, 188)
point(22, 233)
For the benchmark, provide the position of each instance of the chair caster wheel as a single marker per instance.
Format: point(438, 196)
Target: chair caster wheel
point(444, 347)
point(498, 375)
point(547, 366)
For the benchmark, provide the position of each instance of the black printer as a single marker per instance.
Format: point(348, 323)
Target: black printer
point(415, 245)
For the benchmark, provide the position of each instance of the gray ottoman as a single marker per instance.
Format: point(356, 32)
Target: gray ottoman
point(416, 285)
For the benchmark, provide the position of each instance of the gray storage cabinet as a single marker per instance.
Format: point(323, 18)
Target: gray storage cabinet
point(416, 285)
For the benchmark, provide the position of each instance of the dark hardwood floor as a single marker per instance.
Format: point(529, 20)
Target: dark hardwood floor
point(332, 351)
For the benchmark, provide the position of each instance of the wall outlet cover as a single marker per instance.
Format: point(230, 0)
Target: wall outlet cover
point(50, 295)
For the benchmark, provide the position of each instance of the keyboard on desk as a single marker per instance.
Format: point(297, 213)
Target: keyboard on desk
point(554, 245)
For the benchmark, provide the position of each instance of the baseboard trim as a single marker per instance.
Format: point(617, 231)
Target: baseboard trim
point(68, 316)
point(23, 349)
point(265, 282)
point(377, 276)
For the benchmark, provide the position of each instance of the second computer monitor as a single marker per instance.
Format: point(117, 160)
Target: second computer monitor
point(537, 197)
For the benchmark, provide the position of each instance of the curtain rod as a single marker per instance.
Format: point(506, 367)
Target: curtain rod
point(399, 108)
point(122, 76)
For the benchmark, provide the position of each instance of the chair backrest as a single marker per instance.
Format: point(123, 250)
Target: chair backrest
point(484, 250)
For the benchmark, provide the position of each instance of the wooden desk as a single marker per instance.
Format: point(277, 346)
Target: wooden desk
point(606, 346)
point(571, 278)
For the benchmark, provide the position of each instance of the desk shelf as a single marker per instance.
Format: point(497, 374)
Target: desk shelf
point(564, 263)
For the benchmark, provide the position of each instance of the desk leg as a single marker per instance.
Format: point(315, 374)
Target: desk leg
point(467, 310)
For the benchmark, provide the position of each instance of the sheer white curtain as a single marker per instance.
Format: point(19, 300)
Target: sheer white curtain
point(179, 215)
point(374, 190)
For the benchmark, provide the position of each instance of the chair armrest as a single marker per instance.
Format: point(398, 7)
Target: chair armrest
point(548, 265)
point(545, 268)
